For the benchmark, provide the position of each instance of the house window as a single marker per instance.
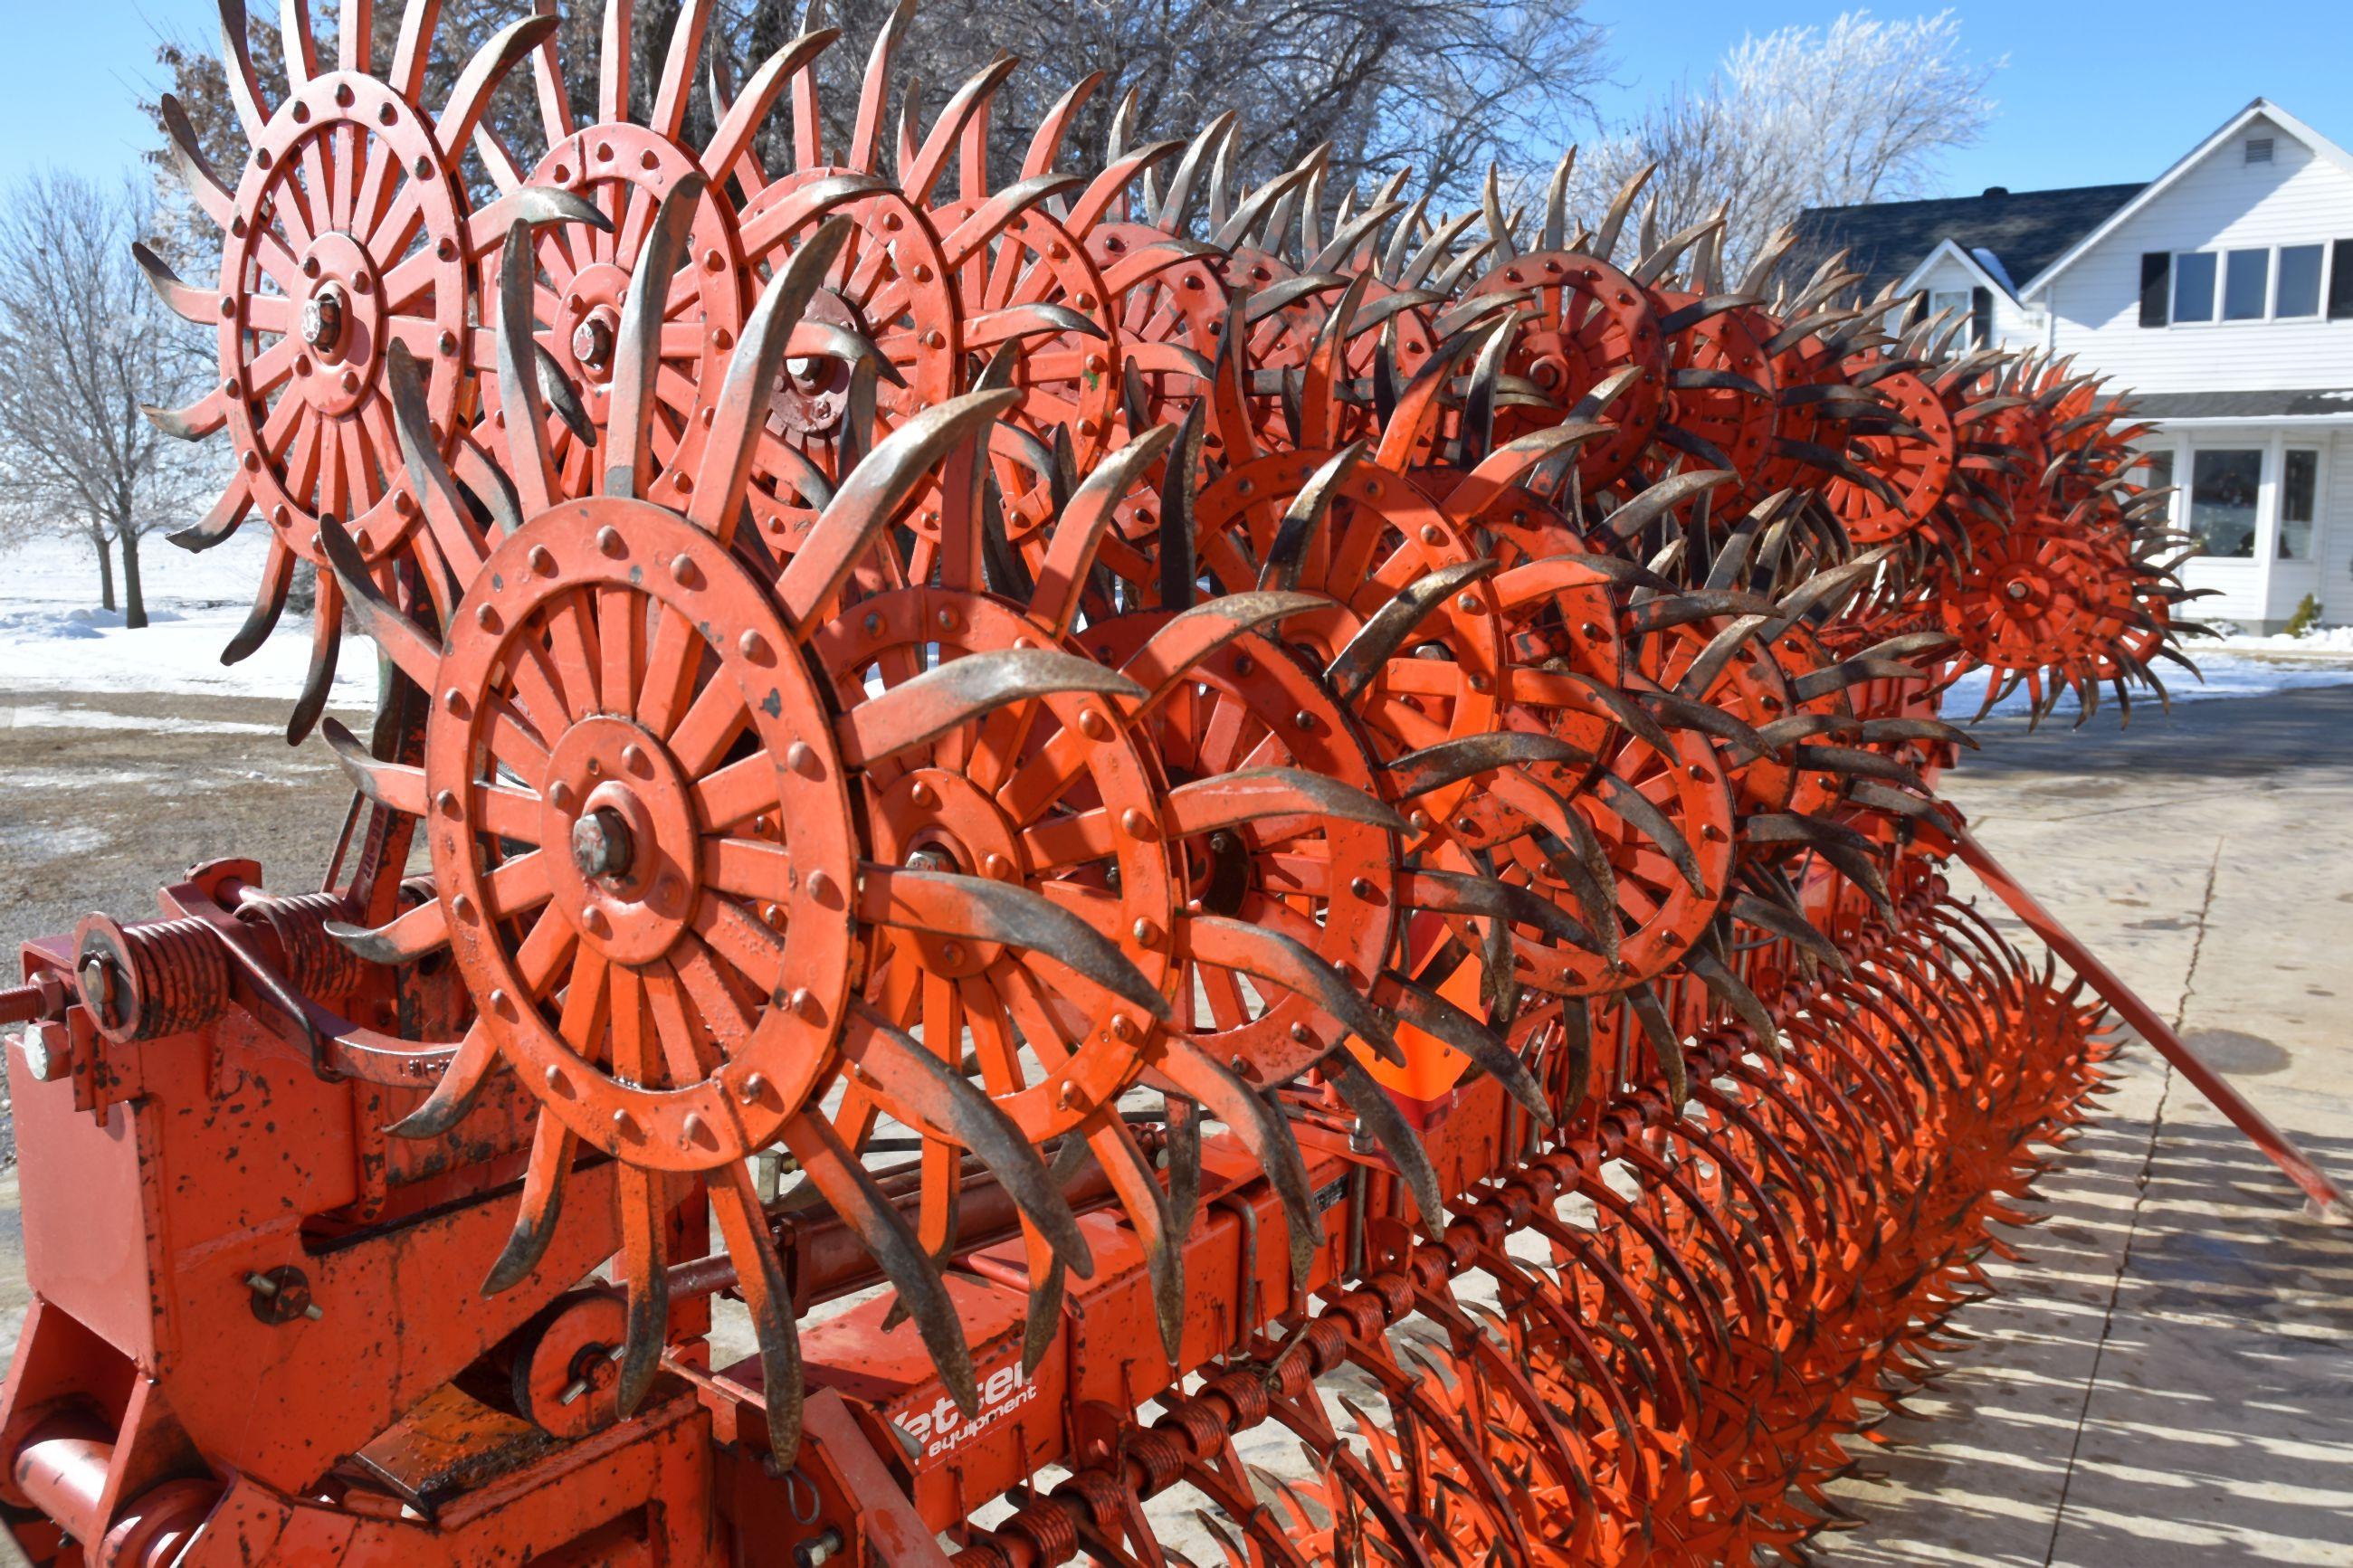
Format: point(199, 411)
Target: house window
point(2193, 286)
point(1956, 301)
point(2224, 483)
point(2258, 283)
point(2299, 495)
point(2299, 281)
point(2246, 285)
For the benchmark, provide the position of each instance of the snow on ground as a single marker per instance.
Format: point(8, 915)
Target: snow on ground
point(2233, 667)
point(53, 639)
point(2323, 641)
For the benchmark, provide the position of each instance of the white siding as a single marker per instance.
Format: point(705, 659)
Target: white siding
point(2238, 591)
point(2298, 198)
point(2334, 546)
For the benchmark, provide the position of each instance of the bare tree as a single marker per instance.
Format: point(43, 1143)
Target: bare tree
point(84, 342)
point(1442, 86)
point(1862, 111)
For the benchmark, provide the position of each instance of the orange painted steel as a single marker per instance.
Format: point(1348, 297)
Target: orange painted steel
point(1250, 790)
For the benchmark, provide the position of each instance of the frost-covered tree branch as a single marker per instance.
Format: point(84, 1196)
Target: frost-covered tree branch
point(1862, 111)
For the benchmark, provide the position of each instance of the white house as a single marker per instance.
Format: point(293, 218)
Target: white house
point(2219, 296)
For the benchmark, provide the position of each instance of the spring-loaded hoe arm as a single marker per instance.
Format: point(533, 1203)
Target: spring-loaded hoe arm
point(1273, 807)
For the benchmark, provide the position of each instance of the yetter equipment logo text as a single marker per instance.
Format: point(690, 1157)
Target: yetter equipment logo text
point(943, 1427)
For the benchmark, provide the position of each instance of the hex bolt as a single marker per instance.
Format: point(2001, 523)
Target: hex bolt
point(47, 1053)
point(817, 1553)
point(98, 981)
point(322, 318)
point(600, 844)
point(592, 342)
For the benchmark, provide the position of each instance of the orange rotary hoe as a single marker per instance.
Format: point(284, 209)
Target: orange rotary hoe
point(1057, 861)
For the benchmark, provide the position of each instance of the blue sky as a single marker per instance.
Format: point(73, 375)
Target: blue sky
point(2093, 94)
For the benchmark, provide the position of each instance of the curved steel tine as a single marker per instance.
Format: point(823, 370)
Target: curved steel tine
point(953, 694)
point(1386, 629)
point(553, 1146)
point(637, 350)
point(760, 1280)
point(838, 1174)
point(1388, 1129)
point(1630, 804)
point(1666, 1044)
point(1287, 554)
point(945, 1098)
point(752, 371)
point(1436, 1016)
point(1264, 1131)
point(976, 908)
point(1179, 567)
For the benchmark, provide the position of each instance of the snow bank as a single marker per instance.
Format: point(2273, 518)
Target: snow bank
point(2322, 641)
point(2229, 673)
point(53, 638)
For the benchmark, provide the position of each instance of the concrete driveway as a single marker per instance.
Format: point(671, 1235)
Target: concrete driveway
point(2169, 1377)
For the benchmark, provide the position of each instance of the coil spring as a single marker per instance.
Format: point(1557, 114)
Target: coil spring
point(143, 982)
point(316, 964)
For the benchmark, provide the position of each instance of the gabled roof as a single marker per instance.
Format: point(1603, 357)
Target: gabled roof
point(1973, 263)
point(2261, 108)
point(2023, 230)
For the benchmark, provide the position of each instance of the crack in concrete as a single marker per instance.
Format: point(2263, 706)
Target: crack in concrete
point(2132, 1226)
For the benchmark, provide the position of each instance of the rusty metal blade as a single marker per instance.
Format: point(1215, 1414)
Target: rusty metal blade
point(761, 1281)
point(975, 909)
point(1451, 762)
point(637, 346)
point(1284, 557)
point(869, 499)
point(1388, 628)
point(1436, 1016)
point(1667, 1045)
point(1265, 1132)
point(962, 689)
point(1283, 961)
point(1461, 893)
point(1389, 1130)
point(742, 418)
point(1249, 795)
point(835, 1170)
point(920, 1076)
point(1179, 567)
point(1651, 823)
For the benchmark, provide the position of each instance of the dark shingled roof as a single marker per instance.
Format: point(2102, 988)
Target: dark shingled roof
point(2239, 405)
point(2027, 230)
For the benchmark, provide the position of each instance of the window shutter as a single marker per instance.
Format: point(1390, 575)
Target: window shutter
point(2341, 281)
point(1980, 317)
point(2155, 287)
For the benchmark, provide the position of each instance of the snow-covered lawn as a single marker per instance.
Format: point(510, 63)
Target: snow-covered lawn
point(52, 638)
point(2323, 642)
point(2229, 670)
